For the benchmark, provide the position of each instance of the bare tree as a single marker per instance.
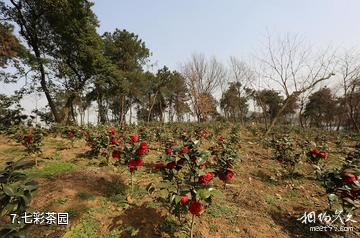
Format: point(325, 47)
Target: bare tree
point(349, 69)
point(203, 77)
point(292, 65)
point(240, 72)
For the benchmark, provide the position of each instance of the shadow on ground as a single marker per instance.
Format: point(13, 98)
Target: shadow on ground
point(145, 219)
point(294, 228)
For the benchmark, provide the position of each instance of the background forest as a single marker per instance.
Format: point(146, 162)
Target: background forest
point(55, 48)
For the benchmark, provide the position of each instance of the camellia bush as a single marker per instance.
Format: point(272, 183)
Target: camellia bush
point(131, 153)
point(31, 138)
point(96, 142)
point(72, 134)
point(284, 151)
point(101, 143)
point(188, 173)
point(343, 185)
point(15, 196)
point(134, 154)
point(235, 134)
point(317, 159)
point(225, 155)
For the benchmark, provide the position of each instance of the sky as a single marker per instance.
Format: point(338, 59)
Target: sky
point(174, 30)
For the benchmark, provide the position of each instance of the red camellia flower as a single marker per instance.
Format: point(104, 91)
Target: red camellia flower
point(315, 151)
point(349, 178)
point(134, 138)
point(193, 159)
point(169, 151)
point(181, 161)
point(158, 165)
point(196, 208)
point(143, 146)
point(171, 165)
point(227, 176)
point(185, 150)
point(70, 134)
point(139, 162)
point(28, 138)
point(184, 199)
point(220, 147)
point(112, 131)
point(355, 192)
point(221, 138)
point(116, 154)
point(205, 179)
point(141, 151)
point(204, 133)
point(86, 134)
point(323, 154)
point(134, 163)
point(115, 141)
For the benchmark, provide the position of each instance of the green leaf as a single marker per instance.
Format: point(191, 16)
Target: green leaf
point(22, 164)
point(332, 197)
point(216, 193)
point(11, 207)
point(172, 198)
point(164, 193)
point(203, 194)
point(134, 231)
point(177, 198)
point(8, 190)
point(201, 172)
point(150, 188)
point(26, 199)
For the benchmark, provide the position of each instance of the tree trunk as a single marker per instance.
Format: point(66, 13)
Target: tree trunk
point(122, 109)
point(278, 114)
point(82, 115)
point(351, 114)
point(170, 111)
point(101, 108)
point(161, 114)
point(152, 106)
point(130, 110)
point(31, 36)
point(73, 114)
point(45, 87)
point(301, 122)
point(68, 110)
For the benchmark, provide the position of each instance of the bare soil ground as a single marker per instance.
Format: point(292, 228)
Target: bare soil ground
point(256, 204)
